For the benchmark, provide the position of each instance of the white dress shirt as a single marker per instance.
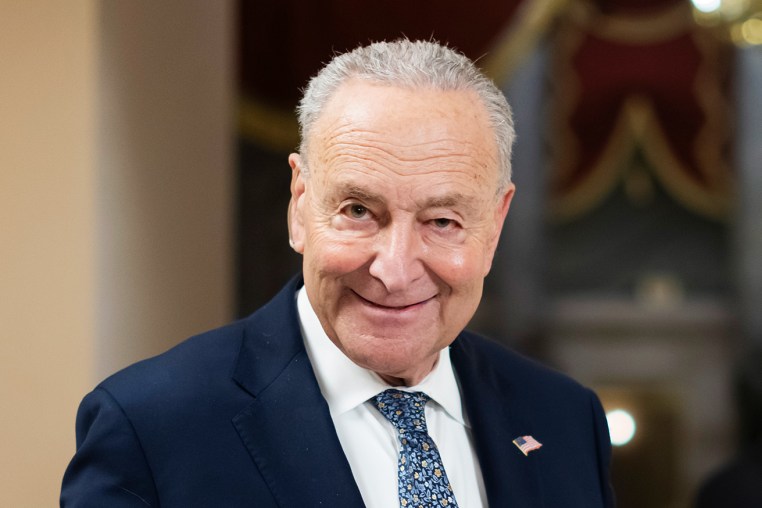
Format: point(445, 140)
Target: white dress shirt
point(369, 440)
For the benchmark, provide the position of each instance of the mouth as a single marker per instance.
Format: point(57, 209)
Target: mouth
point(393, 308)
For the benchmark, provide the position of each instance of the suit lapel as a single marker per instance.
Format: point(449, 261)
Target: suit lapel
point(510, 478)
point(288, 429)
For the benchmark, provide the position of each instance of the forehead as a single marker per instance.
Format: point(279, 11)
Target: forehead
point(408, 131)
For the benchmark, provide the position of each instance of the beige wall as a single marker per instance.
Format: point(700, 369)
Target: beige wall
point(115, 206)
point(47, 234)
point(165, 186)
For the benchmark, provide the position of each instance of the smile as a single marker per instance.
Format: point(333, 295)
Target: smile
point(393, 308)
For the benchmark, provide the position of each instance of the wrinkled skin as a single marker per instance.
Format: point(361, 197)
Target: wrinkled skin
point(397, 216)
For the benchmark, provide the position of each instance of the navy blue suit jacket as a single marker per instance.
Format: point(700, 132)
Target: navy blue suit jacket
point(235, 418)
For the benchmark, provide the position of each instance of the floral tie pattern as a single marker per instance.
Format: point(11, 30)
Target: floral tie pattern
point(422, 482)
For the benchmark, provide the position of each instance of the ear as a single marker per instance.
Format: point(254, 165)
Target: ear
point(296, 204)
point(501, 211)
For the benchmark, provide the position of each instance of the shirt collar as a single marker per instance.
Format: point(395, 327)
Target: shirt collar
point(345, 385)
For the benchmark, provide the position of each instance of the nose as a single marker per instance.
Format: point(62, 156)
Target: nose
point(397, 258)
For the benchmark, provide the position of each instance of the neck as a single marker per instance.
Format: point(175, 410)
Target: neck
point(412, 378)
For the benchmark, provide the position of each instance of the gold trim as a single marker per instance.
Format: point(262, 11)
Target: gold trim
point(671, 173)
point(272, 127)
point(520, 36)
point(638, 125)
point(716, 107)
point(277, 129)
point(609, 169)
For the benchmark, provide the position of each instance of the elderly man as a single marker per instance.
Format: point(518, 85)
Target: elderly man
point(356, 385)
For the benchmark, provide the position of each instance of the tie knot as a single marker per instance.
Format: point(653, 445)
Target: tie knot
point(403, 409)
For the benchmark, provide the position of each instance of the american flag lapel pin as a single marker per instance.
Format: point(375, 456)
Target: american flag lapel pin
point(526, 444)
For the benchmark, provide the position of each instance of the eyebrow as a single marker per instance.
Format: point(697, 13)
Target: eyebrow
point(361, 193)
point(447, 201)
point(452, 200)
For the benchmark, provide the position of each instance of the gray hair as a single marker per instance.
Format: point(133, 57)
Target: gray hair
point(410, 64)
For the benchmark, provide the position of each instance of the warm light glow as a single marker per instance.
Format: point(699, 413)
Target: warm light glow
point(621, 426)
point(707, 5)
point(751, 31)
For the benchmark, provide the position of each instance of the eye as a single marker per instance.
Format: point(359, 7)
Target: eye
point(443, 223)
point(357, 211)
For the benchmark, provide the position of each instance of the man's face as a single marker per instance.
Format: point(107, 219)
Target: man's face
point(397, 221)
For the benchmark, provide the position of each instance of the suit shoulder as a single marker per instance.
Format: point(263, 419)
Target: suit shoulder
point(200, 370)
point(189, 366)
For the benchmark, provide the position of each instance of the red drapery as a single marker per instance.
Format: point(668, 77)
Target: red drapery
point(282, 43)
point(643, 74)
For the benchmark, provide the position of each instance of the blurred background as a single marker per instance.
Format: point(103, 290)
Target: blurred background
point(144, 183)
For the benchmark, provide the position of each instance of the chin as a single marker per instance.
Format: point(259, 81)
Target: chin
point(393, 358)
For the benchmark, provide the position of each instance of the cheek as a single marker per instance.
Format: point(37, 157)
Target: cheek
point(459, 268)
point(330, 253)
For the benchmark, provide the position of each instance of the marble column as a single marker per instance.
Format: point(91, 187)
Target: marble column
point(748, 158)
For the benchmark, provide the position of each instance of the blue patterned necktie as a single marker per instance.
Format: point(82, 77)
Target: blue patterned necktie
point(421, 480)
